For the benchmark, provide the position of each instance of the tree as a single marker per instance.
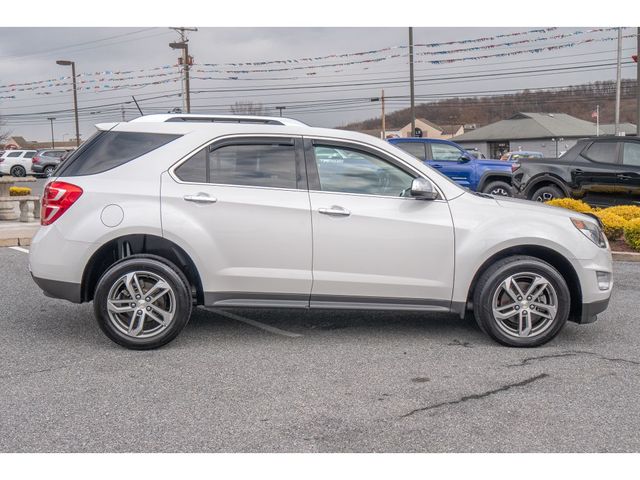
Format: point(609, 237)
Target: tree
point(247, 108)
point(4, 134)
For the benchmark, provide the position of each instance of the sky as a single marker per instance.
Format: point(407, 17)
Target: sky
point(327, 92)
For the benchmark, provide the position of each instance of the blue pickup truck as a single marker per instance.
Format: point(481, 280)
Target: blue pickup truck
point(487, 176)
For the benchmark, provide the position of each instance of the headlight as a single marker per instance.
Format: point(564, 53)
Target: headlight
point(591, 231)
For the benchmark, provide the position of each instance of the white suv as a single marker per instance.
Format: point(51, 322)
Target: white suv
point(152, 217)
point(16, 162)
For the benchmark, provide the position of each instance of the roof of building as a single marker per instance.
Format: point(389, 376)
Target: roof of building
point(525, 125)
point(610, 128)
point(451, 129)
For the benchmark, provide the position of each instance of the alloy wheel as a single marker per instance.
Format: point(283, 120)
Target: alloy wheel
point(525, 305)
point(141, 304)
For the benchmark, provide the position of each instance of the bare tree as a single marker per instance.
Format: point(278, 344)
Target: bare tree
point(247, 108)
point(4, 134)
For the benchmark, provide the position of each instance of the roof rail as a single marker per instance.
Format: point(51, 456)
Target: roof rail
point(180, 117)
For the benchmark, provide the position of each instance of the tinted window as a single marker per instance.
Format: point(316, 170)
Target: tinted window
point(414, 148)
point(265, 165)
point(442, 151)
point(605, 152)
point(631, 154)
point(360, 172)
point(14, 154)
point(194, 169)
point(260, 165)
point(108, 150)
point(29, 154)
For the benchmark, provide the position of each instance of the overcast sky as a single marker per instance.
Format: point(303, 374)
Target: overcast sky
point(323, 96)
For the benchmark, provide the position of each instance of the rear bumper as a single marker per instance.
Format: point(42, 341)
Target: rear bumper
point(37, 168)
point(58, 289)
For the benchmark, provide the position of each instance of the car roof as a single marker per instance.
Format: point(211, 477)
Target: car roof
point(188, 117)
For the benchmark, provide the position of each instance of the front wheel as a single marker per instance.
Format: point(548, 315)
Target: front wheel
point(142, 302)
point(521, 301)
point(48, 170)
point(498, 188)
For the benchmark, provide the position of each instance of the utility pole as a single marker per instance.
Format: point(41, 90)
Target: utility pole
point(384, 129)
point(186, 61)
point(638, 83)
point(53, 143)
point(618, 75)
point(122, 111)
point(413, 105)
point(597, 120)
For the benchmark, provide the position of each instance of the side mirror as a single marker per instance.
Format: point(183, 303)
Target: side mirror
point(422, 189)
point(464, 159)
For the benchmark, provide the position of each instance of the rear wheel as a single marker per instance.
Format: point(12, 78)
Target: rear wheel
point(546, 193)
point(499, 188)
point(48, 170)
point(18, 171)
point(521, 301)
point(142, 302)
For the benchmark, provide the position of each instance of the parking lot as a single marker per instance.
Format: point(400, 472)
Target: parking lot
point(326, 381)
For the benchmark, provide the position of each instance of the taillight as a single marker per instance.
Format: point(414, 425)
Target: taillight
point(514, 166)
point(35, 159)
point(56, 199)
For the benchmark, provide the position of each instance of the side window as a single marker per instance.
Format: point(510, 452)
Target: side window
point(604, 152)
point(14, 154)
point(417, 149)
point(362, 173)
point(444, 152)
point(259, 165)
point(631, 154)
point(29, 154)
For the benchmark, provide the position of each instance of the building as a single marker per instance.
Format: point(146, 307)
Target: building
point(625, 128)
point(431, 130)
point(20, 143)
point(549, 133)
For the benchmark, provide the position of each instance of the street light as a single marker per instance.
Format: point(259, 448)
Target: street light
point(75, 94)
point(53, 143)
point(186, 61)
point(280, 109)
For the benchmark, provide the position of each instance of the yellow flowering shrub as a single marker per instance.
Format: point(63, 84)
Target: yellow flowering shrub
point(628, 212)
point(613, 224)
point(571, 204)
point(632, 233)
point(19, 191)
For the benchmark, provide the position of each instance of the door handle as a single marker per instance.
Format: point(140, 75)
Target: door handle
point(435, 165)
point(578, 170)
point(200, 198)
point(335, 211)
point(623, 177)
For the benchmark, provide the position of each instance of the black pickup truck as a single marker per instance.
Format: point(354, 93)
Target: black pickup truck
point(602, 171)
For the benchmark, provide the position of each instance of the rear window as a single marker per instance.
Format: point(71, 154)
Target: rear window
point(108, 150)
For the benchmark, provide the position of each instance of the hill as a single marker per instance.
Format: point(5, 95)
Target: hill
point(579, 101)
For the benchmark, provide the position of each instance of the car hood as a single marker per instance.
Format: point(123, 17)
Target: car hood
point(528, 206)
point(495, 164)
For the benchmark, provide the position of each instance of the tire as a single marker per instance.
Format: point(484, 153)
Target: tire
point(547, 311)
point(142, 331)
point(546, 193)
point(48, 170)
point(18, 171)
point(499, 188)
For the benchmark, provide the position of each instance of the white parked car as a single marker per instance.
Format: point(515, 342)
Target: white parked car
point(16, 162)
point(152, 217)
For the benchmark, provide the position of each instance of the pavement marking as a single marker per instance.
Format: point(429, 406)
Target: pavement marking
point(20, 249)
point(255, 323)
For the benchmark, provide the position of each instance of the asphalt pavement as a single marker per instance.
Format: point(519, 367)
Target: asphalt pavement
point(322, 381)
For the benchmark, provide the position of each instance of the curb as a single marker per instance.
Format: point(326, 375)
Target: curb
point(15, 242)
point(625, 257)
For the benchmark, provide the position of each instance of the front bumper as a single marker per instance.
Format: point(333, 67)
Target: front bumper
point(591, 310)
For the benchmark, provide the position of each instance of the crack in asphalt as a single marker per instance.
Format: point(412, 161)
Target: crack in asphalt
point(32, 372)
point(478, 396)
point(530, 360)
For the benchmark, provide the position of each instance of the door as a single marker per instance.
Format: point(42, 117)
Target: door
point(452, 162)
point(242, 208)
point(373, 247)
point(599, 173)
point(631, 170)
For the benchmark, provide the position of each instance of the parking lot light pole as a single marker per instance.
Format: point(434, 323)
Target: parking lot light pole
point(280, 109)
point(411, 87)
point(75, 95)
point(53, 142)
